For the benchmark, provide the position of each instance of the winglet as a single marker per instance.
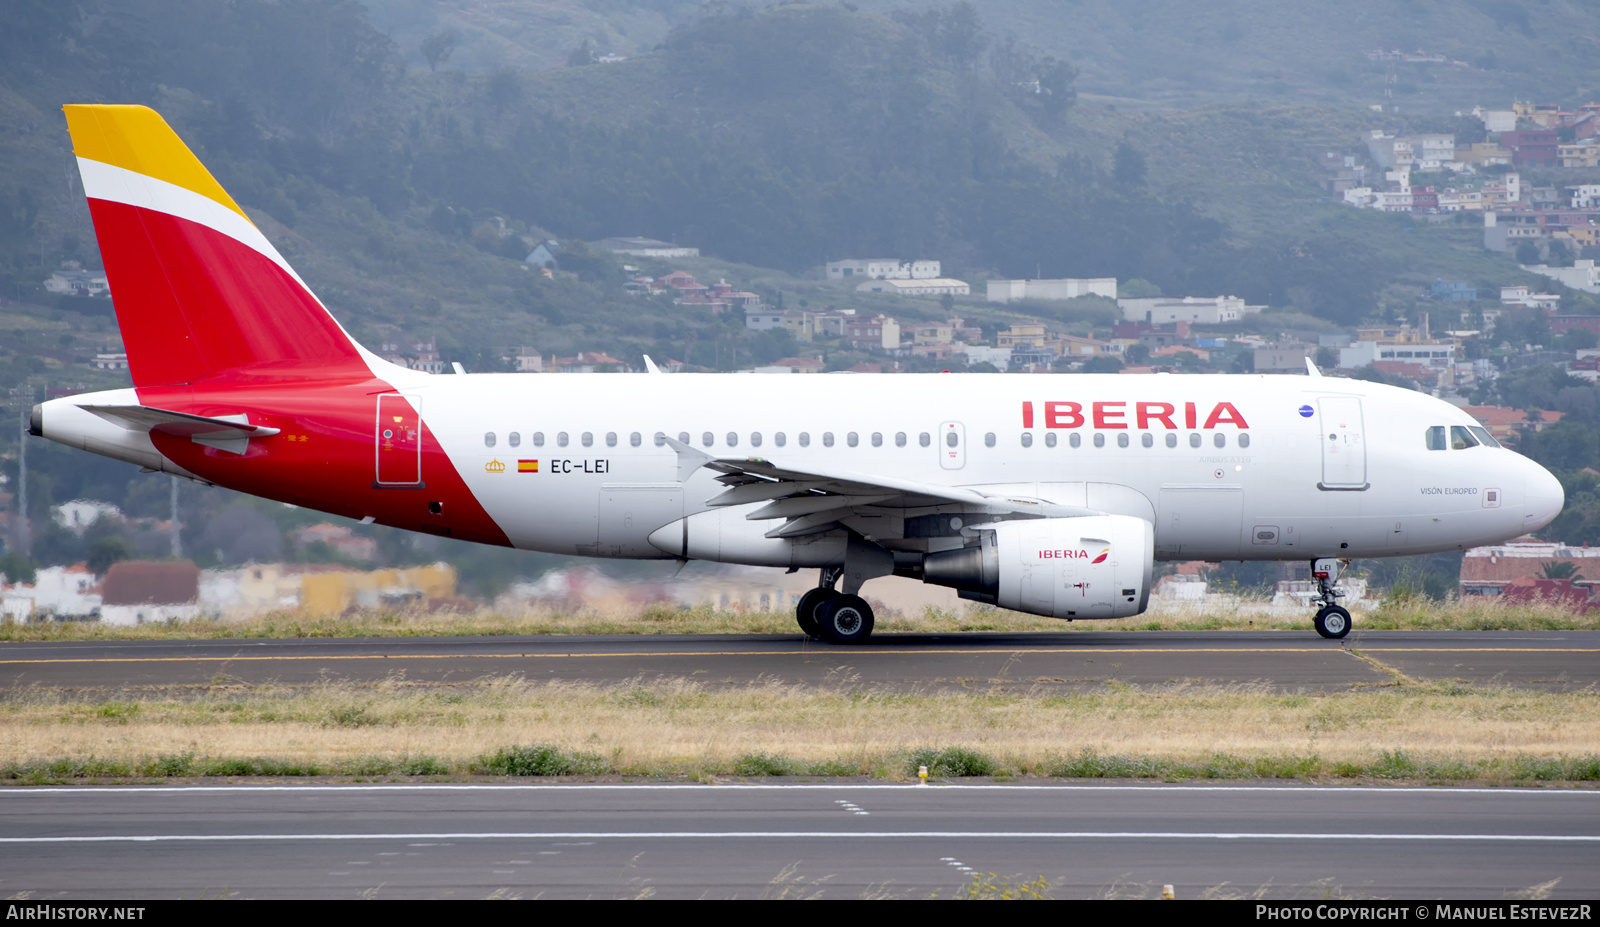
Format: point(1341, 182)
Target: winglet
point(689, 459)
point(1311, 369)
point(650, 365)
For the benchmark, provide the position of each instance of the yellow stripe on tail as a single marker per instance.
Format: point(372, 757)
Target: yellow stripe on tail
point(137, 139)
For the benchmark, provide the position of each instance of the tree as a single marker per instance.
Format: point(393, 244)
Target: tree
point(1055, 86)
point(1527, 253)
point(1560, 569)
point(1127, 165)
point(108, 550)
point(438, 47)
point(582, 55)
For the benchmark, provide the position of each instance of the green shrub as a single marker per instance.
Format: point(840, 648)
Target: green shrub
point(542, 760)
point(953, 761)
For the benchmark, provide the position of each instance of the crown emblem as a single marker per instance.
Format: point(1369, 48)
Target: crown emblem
point(495, 466)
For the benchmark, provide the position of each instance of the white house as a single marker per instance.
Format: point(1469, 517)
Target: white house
point(935, 286)
point(1582, 275)
point(645, 247)
point(1004, 291)
point(978, 354)
point(78, 283)
point(883, 269)
point(1200, 310)
point(81, 513)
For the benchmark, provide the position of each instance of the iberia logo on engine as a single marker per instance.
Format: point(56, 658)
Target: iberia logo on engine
point(1079, 554)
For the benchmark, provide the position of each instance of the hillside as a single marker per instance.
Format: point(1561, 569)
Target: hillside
point(1151, 54)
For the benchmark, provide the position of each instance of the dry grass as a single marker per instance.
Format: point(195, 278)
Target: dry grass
point(679, 727)
point(1241, 614)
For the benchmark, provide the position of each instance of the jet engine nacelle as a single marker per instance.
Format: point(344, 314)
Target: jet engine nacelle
point(1095, 566)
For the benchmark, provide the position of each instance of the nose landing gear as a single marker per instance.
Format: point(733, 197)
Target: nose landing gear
point(1332, 620)
point(836, 617)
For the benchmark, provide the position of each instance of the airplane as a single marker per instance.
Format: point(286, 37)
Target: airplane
point(1049, 495)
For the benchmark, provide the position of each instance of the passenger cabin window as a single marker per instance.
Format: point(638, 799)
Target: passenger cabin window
point(1219, 440)
point(805, 439)
point(1075, 440)
point(514, 439)
point(877, 439)
point(988, 439)
point(851, 439)
point(1027, 439)
point(561, 438)
point(488, 439)
point(588, 439)
point(1122, 439)
point(733, 439)
point(538, 439)
point(755, 439)
point(780, 439)
point(683, 437)
point(611, 439)
point(1050, 439)
point(899, 439)
point(827, 439)
point(924, 439)
point(1244, 440)
point(661, 439)
point(1194, 439)
point(1435, 438)
point(1461, 438)
point(1147, 439)
point(951, 439)
point(708, 439)
point(1172, 440)
point(635, 439)
point(1099, 440)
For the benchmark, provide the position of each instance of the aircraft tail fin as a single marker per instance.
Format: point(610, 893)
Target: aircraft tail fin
point(199, 291)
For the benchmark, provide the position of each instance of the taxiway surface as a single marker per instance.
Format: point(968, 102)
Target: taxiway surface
point(835, 840)
point(1278, 660)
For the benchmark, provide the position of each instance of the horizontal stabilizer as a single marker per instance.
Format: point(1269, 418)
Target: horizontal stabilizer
point(227, 432)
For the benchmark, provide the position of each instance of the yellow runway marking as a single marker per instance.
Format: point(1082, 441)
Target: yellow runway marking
point(779, 653)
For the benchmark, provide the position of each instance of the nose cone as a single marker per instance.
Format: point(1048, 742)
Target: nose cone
point(1544, 498)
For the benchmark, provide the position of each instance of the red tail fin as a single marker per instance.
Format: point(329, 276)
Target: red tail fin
point(199, 291)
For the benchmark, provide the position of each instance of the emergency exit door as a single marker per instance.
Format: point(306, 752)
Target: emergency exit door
point(1344, 447)
point(399, 440)
point(952, 445)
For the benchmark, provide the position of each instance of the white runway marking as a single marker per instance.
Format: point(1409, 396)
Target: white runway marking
point(813, 834)
point(135, 790)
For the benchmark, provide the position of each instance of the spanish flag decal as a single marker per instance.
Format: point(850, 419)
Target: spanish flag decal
point(527, 466)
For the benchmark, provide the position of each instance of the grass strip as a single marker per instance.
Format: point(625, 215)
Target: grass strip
point(661, 618)
point(508, 726)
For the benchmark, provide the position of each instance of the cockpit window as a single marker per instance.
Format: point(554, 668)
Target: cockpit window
point(1483, 435)
point(1461, 438)
point(1436, 438)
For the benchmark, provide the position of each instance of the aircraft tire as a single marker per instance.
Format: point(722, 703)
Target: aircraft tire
point(1332, 622)
point(806, 612)
point(845, 619)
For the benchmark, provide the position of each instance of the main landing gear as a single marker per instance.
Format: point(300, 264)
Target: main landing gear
point(836, 617)
point(1331, 621)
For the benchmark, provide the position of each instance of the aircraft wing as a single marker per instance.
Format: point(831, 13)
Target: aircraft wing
point(814, 499)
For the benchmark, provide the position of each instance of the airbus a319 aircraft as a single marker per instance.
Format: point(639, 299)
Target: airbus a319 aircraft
point(1050, 495)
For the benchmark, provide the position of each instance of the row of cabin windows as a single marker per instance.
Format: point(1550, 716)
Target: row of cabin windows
point(924, 439)
point(1461, 437)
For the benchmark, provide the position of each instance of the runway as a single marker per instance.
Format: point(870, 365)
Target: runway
point(1070, 661)
point(836, 841)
